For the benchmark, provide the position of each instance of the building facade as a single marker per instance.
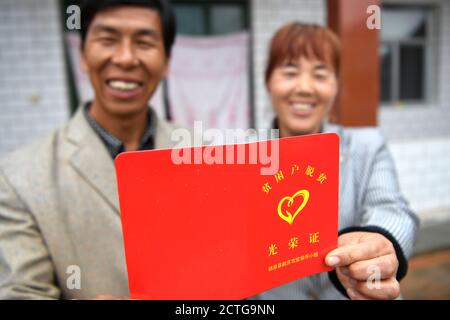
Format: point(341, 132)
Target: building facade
point(414, 112)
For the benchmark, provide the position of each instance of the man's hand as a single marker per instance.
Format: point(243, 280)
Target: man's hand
point(358, 256)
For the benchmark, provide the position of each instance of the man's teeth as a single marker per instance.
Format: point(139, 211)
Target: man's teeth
point(123, 85)
point(301, 107)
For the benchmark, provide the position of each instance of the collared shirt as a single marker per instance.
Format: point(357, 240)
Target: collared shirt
point(114, 145)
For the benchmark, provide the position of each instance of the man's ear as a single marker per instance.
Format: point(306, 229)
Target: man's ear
point(166, 68)
point(83, 63)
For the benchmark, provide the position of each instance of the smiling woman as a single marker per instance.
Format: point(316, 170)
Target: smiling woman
point(301, 77)
point(377, 229)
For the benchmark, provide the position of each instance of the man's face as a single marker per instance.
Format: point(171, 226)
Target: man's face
point(125, 59)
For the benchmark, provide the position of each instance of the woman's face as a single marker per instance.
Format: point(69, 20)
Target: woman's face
point(302, 94)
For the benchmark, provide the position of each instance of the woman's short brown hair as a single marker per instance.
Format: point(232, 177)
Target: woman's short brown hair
point(311, 41)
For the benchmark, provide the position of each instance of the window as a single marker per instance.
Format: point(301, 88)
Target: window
point(211, 17)
point(216, 18)
point(404, 54)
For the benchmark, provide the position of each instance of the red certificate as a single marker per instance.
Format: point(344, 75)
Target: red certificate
point(224, 230)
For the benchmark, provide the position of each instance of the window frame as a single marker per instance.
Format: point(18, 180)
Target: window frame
point(207, 6)
point(429, 58)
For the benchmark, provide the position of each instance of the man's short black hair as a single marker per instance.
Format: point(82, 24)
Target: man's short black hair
point(90, 8)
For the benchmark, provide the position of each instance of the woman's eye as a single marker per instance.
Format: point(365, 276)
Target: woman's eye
point(320, 76)
point(290, 74)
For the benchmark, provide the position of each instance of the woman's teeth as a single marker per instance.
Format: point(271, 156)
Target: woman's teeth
point(301, 106)
point(123, 85)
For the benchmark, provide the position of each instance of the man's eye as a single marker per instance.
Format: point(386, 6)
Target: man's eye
point(145, 44)
point(107, 41)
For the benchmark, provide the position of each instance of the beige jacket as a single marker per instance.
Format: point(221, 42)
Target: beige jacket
point(59, 214)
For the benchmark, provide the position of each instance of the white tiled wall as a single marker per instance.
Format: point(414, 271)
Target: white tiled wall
point(267, 17)
point(424, 173)
point(33, 97)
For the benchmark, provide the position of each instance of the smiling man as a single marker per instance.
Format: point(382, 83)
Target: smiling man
point(60, 228)
point(126, 49)
point(125, 53)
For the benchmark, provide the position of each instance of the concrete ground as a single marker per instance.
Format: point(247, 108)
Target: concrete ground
point(428, 277)
point(429, 271)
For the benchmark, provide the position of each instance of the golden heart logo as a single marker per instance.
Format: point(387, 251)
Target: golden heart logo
point(288, 216)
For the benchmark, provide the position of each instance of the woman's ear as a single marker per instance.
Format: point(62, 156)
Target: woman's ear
point(268, 85)
point(332, 115)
